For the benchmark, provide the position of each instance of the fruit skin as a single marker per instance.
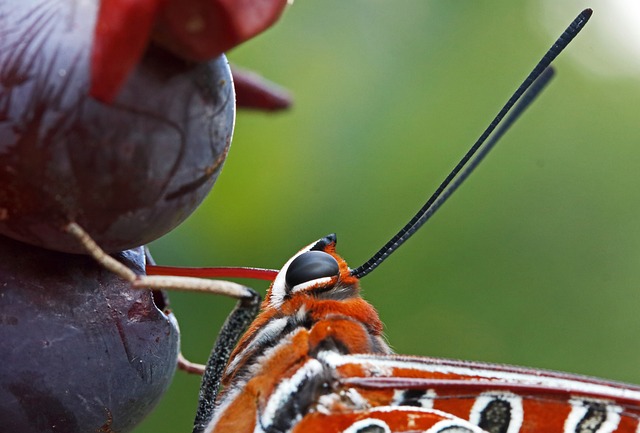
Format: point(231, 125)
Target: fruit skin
point(80, 350)
point(196, 30)
point(128, 172)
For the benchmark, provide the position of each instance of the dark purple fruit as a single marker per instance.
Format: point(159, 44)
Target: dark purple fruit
point(80, 350)
point(127, 172)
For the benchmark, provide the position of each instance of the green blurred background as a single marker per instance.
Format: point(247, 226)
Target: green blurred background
point(535, 261)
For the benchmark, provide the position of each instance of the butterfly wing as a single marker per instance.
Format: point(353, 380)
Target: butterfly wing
point(497, 398)
point(385, 420)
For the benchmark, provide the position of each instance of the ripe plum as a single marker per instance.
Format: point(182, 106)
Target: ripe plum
point(81, 350)
point(129, 171)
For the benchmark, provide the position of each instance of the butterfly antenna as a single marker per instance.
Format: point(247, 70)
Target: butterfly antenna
point(523, 96)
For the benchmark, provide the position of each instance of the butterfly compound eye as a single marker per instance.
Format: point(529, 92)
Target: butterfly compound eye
point(311, 266)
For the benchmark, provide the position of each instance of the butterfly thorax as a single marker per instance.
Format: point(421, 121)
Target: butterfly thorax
point(298, 325)
point(346, 326)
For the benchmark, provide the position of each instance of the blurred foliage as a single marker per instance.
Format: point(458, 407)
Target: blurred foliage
point(533, 262)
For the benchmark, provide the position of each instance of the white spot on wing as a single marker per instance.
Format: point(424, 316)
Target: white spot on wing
point(579, 409)
point(515, 402)
point(367, 422)
point(425, 401)
point(457, 426)
point(450, 422)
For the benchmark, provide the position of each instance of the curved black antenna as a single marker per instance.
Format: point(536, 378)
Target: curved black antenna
point(446, 188)
point(527, 99)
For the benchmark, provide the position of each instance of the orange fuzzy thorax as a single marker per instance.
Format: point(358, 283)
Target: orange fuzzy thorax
point(352, 324)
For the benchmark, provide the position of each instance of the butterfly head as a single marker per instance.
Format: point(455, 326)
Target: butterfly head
point(315, 271)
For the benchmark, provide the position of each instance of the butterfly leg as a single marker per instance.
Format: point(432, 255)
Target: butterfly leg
point(233, 328)
point(190, 367)
point(237, 322)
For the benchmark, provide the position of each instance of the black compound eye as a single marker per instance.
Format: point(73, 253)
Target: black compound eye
point(310, 266)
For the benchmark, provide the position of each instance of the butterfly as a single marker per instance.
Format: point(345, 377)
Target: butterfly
point(313, 358)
